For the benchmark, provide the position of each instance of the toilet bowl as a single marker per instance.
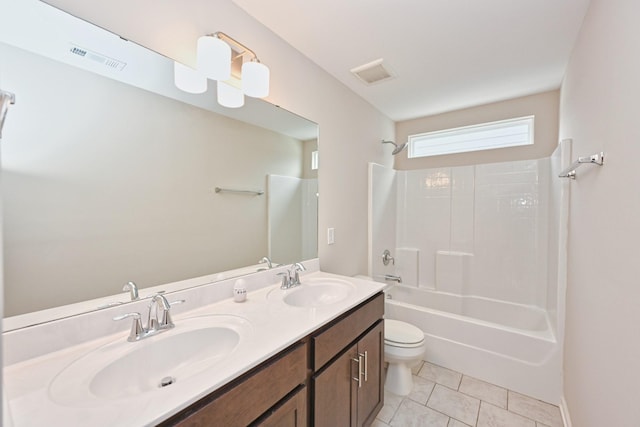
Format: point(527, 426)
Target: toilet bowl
point(403, 347)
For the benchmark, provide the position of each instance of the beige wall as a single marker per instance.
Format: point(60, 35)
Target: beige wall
point(350, 128)
point(105, 183)
point(544, 106)
point(599, 111)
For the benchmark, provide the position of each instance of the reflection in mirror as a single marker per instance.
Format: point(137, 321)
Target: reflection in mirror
point(109, 172)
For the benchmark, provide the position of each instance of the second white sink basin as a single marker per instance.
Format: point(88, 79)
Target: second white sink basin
point(124, 369)
point(314, 293)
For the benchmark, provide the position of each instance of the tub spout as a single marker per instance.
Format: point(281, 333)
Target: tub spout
point(392, 278)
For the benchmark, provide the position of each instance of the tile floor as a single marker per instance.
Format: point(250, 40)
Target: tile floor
point(445, 398)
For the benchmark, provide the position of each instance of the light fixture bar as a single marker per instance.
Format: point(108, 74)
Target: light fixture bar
point(242, 48)
point(236, 69)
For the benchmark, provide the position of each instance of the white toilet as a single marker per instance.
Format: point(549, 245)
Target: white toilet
point(403, 347)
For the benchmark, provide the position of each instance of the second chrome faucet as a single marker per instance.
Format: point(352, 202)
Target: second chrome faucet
point(158, 319)
point(291, 277)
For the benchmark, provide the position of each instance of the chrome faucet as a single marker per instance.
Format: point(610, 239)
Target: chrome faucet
point(291, 277)
point(266, 259)
point(133, 289)
point(295, 269)
point(156, 321)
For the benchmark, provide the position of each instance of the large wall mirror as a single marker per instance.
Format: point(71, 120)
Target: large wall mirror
point(109, 172)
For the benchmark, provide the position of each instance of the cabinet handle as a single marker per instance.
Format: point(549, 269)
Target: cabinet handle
point(366, 365)
point(359, 361)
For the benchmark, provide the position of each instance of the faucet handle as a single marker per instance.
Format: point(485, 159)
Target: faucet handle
point(293, 273)
point(386, 257)
point(135, 316)
point(286, 280)
point(136, 327)
point(165, 320)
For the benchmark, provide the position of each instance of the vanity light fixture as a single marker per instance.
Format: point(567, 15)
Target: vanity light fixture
point(187, 79)
point(229, 96)
point(235, 67)
point(214, 57)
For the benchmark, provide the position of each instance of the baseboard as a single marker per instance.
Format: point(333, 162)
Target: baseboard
point(564, 411)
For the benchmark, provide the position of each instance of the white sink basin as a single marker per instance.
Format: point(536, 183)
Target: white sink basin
point(124, 369)
point(314, 293)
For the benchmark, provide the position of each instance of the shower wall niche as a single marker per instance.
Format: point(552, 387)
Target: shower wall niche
point(479, 230)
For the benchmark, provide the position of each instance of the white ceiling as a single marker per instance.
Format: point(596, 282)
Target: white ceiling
point(447, 54)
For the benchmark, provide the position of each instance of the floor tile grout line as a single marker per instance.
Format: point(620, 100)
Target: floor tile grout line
point(478, 411)
point(515, 413)
point(535, 422)
point(477, 398)
point(429, 407)
point(509, 391)
point(482, 381)
point(397, 409)
point(477, 417)
point(448, 416)
point(457, 390)
point(430, 393)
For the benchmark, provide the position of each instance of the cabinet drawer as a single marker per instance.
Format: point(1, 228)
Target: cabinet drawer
point(291, 413)
point(339, 335)
point(239, 404)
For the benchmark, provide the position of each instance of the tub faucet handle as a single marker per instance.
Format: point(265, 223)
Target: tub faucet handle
point(386, 257)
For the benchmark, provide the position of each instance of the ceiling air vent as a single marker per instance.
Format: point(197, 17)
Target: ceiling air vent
point(373, 72)
point(98, 58)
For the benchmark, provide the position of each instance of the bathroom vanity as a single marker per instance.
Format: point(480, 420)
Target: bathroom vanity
point(339, 367)
point(309, 355)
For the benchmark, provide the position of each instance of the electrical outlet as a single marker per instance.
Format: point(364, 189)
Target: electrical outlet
point(331, 236)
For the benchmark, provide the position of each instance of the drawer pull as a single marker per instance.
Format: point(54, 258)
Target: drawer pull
point(359, 361)
point(366, 365)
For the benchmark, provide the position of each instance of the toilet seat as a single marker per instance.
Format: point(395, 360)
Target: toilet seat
point(402, 334)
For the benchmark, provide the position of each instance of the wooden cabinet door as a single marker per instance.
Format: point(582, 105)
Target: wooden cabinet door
point(371, 394)
point(335, 392)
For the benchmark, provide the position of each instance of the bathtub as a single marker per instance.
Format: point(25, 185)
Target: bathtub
point(507, 344)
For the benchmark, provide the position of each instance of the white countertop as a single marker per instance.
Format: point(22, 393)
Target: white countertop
point(273, 326)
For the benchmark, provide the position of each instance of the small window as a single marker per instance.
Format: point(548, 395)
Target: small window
point(486, 136)
point(314, 160)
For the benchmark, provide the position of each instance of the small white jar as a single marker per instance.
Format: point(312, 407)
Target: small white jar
point(239, 291)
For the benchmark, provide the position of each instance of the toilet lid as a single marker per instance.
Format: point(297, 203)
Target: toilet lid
point(399, 332)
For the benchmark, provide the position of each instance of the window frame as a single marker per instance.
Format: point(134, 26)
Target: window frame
point(429, 148)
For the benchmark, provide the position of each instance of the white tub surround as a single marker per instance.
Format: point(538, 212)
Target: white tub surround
point(491, 244)
point(36, 355)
